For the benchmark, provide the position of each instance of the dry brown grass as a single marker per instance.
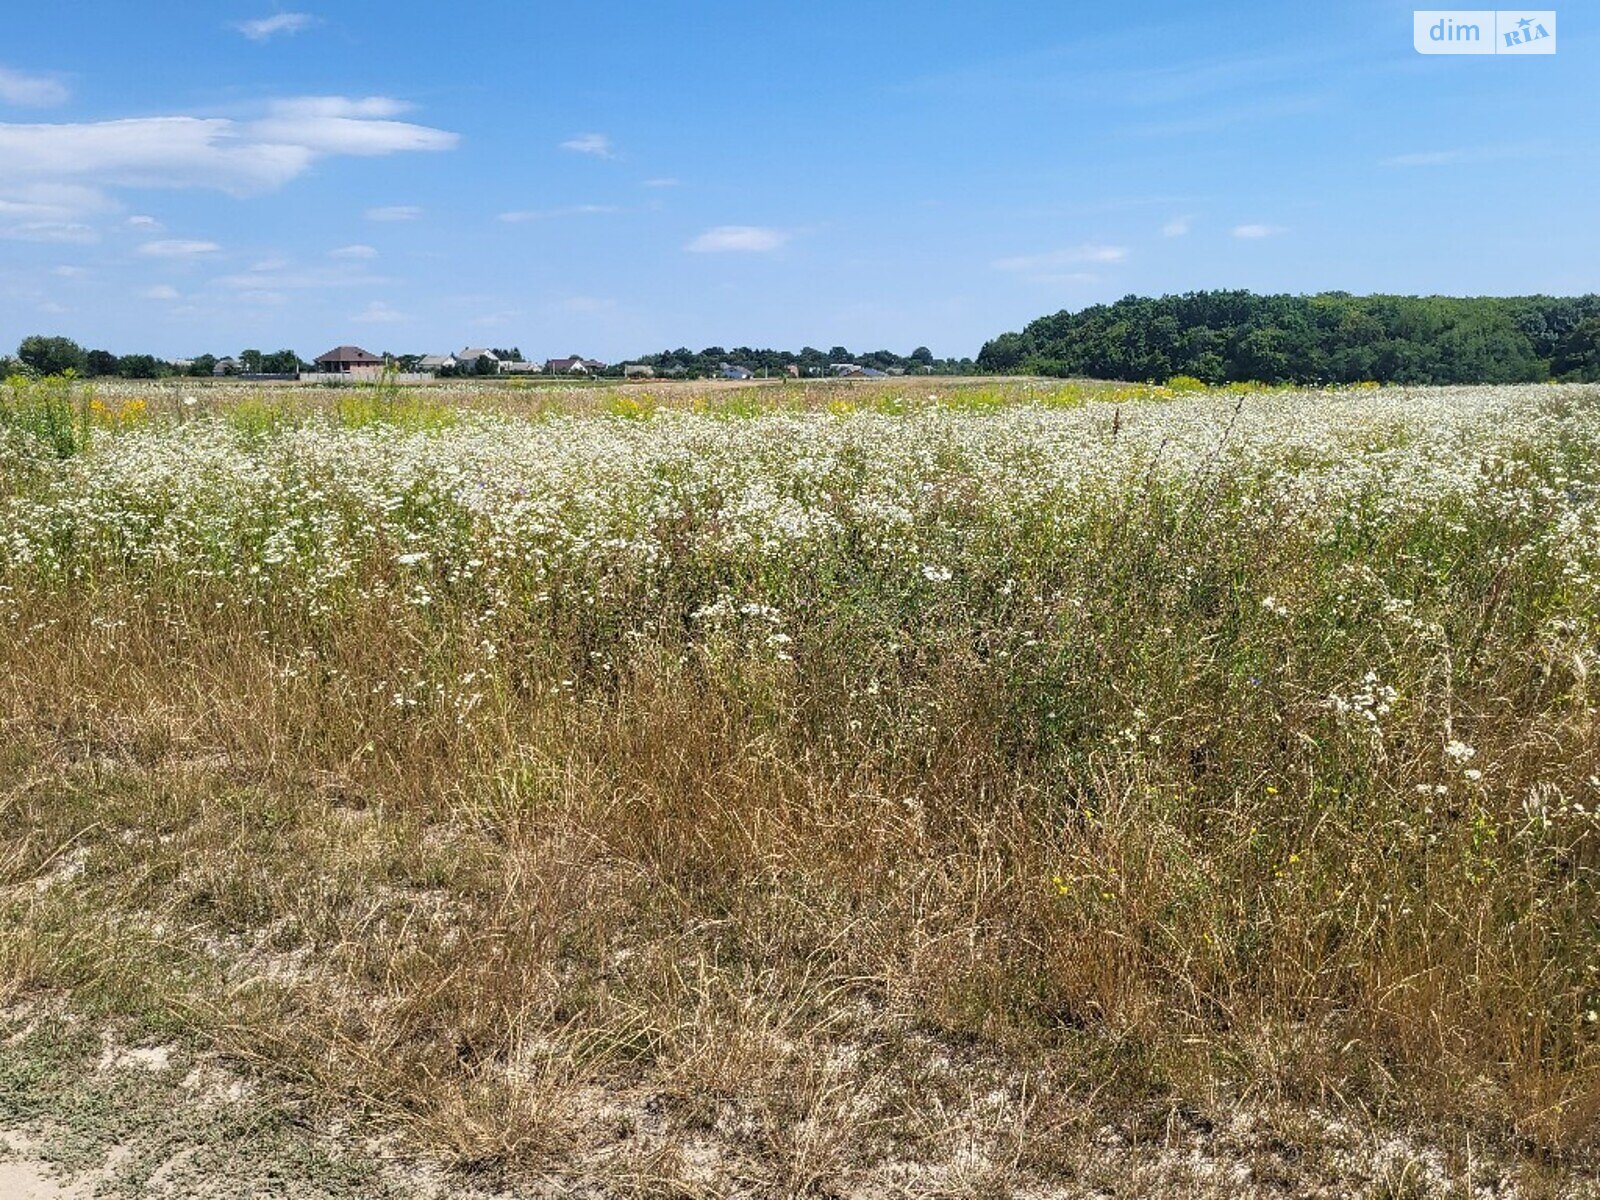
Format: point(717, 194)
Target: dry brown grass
point(687, 932)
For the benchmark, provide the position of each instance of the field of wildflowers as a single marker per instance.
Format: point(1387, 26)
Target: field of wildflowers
point(811, 791)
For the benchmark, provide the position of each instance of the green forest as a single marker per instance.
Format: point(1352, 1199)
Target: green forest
point(1331, 337)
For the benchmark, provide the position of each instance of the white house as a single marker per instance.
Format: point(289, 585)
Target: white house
point(438, 362)
point(573, 366)
point(467, 360)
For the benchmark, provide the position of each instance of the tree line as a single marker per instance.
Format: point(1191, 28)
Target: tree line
point(58, 355)
point(809, 360)
point(1331, 337)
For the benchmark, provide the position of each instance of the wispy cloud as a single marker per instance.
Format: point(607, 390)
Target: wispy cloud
point(68, 232)
point(379, 313)
point(31, 91)
point(48, 212)
point(1056, 260)
point(587, 305)
point(141, 221)
point(545, 214)
point(178, 248)
point(161, 291)
point(597, 144)
point(353, 252)
point(71, 169)
point(749, 239)
point(278, 276)
point(394, 212)
point(1253, 232)
point(263, 28)
point(661, 181)
point(1177, 227)
point(342, 125)
point(1467, 154)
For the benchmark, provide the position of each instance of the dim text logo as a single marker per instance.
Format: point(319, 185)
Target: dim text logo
point(1484, 31)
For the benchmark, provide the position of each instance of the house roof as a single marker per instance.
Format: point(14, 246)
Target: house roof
point(474, 353)
point(352, 354)
point(437, 360)
point(566, 364)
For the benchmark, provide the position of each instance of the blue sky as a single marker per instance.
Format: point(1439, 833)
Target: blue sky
point(616, 178)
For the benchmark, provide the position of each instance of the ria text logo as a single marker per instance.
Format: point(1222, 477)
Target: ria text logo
point(1484, 31)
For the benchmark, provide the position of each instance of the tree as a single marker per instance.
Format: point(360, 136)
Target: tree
point(100, 362)
point(922, 356)
point(203, 366)
point(250, 362)
point(52, 355)
point(139, 366)
point(1577, 354)
point(283, 362)
point(485, 365)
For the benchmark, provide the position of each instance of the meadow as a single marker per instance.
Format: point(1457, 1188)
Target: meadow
point(921, 788)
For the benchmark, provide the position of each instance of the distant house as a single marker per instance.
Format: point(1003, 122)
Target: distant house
point(855, 371)
point(729, 371)
point(348, 360)
point(517, 367)
point(638, 371)
point(468, 358)
point(226, 366)
point(792, 371)
point(435, 363)
point(573, 366)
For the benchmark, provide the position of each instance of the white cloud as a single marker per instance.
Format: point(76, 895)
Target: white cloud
point(1469, 154)
point(1255, 231)
point(587, 305)
point(278, 276)
point(54, 309)
point(341, 125)
point(80, 162)
point(1177, 227)
point(48, 212)
point(357, 251)
point(161, 291)
point(140, 221)
point(49, 231)
point(69, 272)
point(496, 320)
point(743, 238)
point(151, 152)
point(597, 144)
point(663, 181)
point(574, 210)
point(379, 313)
point(1056, 260)
point(31, 91)
point(263, 28)
point(394, 212)
point(178, 248)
